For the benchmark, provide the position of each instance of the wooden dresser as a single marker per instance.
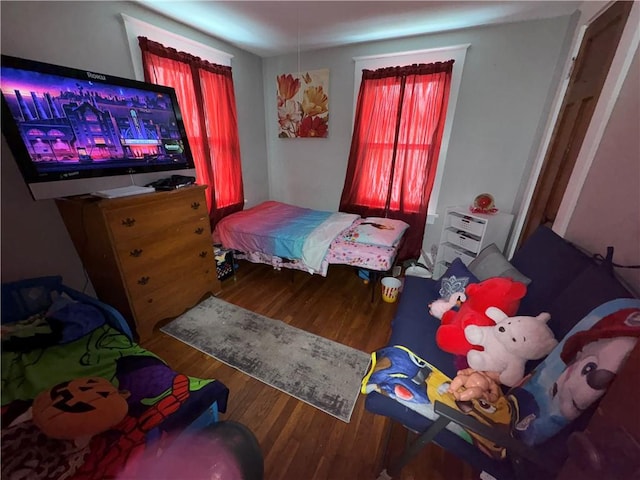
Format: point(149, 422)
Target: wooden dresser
point(149, 256)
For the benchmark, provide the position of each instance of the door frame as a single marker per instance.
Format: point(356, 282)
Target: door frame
point(627, 47)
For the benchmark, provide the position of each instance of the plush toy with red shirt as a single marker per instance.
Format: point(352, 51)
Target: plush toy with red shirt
point(502, 293)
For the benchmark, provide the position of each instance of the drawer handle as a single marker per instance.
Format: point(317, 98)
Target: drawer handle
point(129, 222)
point(136, 252)
point(203, 254)
point(199, 231)
point(143, 280)
point(195, 205)
point(150, 300)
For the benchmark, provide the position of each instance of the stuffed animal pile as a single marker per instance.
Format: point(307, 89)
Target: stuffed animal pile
point(502, 293)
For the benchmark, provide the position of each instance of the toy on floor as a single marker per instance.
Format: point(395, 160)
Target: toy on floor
point(509, 344)
point(502, 293)
point(470, 384)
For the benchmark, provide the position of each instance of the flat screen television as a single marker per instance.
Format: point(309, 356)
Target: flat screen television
point(74, 132)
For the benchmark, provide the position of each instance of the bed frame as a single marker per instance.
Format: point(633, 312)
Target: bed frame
point(374, 260)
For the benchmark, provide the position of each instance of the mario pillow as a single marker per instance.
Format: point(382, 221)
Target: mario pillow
point(577, 372)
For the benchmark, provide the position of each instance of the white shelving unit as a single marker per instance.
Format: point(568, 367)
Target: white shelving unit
point(465, 234)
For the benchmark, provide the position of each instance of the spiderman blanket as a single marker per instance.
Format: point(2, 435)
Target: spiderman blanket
point(162, 404)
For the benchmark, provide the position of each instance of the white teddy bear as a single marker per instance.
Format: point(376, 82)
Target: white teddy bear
point(509, 344)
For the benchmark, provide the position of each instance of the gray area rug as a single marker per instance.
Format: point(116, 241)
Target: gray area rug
point(318, 371)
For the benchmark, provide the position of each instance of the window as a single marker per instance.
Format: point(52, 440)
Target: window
point(137, 28)
point(207, 100)
point(381, 147)
point(456, 53)
point(401, 115)
point(197, 77)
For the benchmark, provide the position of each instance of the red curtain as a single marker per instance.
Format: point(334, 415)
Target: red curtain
point(208, 105)
point(399, 121)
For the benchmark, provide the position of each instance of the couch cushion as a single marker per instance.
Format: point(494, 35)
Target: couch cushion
point(490, 262)
point(592, 287)
point(413, 327)
point(552, 264)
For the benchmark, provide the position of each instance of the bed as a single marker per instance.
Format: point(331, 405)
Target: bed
point(287, 236)
point(52, 335)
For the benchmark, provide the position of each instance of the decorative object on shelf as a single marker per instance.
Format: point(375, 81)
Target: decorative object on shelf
point(484, 203)
point(303, 104)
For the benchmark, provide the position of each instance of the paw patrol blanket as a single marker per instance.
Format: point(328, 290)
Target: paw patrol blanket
point(398, 373)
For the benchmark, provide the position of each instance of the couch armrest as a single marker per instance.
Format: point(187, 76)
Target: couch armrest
point(515, 447)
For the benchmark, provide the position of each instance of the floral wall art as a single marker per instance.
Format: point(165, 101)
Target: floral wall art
point(303, 104)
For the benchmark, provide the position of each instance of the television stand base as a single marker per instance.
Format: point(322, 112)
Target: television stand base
point(123, 191)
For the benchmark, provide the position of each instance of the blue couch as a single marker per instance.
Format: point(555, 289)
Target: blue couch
point(565, 282)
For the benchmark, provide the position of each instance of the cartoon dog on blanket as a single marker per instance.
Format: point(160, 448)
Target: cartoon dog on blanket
point(396, 372)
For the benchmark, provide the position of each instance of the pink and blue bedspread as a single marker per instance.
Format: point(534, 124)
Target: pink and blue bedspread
point(286, 236)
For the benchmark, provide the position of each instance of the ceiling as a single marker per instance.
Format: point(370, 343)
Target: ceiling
point(268, 28)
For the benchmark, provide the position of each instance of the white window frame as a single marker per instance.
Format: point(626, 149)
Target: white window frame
point(137, 28)
point(458, 54)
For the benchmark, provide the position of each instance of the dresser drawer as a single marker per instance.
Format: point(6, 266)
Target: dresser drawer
point(153, 277)
point(173, 299)
point(151, 248)
point(146, 258)
point(155, 217)
point(463, 239)
point(450, 253)
point(466, 223)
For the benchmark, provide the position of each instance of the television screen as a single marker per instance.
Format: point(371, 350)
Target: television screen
point(67, 124)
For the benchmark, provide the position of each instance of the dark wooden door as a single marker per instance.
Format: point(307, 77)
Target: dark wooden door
point(589, 72)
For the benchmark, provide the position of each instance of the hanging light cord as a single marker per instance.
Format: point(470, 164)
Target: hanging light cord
point(298, 40)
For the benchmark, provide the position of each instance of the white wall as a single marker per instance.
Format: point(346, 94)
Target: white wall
point(511, 73)
point(91, 35)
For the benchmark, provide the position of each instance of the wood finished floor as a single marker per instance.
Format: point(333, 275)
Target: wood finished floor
point(298, 441)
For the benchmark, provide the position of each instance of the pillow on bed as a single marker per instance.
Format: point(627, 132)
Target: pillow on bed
point(385, 232)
